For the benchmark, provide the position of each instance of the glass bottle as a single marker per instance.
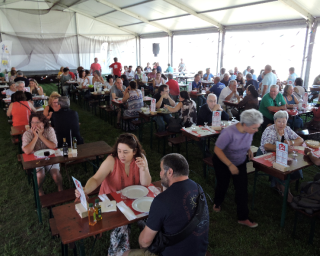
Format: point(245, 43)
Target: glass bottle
point(74, 142)
point(92, 215)
point(97, 208)
point(65, 147)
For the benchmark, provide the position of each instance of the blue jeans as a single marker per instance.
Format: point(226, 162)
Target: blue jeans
point(160, 120)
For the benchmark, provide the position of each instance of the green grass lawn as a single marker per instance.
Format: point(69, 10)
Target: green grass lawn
point(21, 234)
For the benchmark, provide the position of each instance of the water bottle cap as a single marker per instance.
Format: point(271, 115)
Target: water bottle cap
point(91, 205)
point(97, 200)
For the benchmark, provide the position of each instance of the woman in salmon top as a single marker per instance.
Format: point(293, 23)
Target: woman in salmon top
point(126, 166)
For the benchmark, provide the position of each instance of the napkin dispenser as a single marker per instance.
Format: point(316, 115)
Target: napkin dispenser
point(81, 210)
point(280, 167)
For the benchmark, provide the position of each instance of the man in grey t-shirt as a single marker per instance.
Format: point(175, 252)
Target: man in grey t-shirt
point(117, 91)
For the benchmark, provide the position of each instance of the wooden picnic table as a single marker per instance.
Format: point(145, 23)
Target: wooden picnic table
point(34, 98)
point(72, 228)
point(85, 151)
point(284, 177)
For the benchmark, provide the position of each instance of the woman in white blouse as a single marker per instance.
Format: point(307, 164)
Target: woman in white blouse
point(158, 81)
point(83, 79)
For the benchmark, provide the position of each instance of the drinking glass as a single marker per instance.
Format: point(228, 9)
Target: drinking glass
point(123, 196)
point(205, 124)
point(46, 154)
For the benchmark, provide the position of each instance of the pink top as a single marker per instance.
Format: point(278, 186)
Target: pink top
point(118, 178)
point(20, 113)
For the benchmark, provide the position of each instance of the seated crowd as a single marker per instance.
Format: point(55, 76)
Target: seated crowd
point(127, 164)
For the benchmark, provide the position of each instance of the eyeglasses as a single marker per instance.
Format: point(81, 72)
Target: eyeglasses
point(127, 136)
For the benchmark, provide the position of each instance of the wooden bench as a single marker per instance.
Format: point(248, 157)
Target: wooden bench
point(127, 120)
point(177, 141)
point(60, 197)
point(312, 226)
point(109, 114)
point(53, 228)
point(163, 136)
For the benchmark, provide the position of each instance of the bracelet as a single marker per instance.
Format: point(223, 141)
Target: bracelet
point(309, 153)
point(292, 142)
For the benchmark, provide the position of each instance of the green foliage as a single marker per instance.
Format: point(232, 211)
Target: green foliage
point(20, 233)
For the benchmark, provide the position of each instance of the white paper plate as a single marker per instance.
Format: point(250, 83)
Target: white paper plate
point(135, 191)
point(40, 153)
point(142, 204)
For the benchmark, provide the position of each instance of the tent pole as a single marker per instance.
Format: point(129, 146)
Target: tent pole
point(77, 35)
point(305, 49)
point(140, 51)
point(313, 29)
point(222, 47)
point(217, 68)
point(136, 51)
point(172, 51)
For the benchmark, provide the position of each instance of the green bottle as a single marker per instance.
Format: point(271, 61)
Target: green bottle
point(97, 208)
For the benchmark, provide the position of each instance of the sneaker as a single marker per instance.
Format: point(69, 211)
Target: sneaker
point(216, 209)
point(248, 223)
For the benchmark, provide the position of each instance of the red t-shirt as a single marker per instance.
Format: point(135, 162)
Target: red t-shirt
point(173, 87)
point(95, 66)
point(116, 68)
point(72, 75)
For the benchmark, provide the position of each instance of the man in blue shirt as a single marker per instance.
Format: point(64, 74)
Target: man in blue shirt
point(172, 210)
point(169, 69)
point(217, 87)
point(268, 80)
point(196, 85)
point(159, 69)
point(207, 75)
point(250, 80)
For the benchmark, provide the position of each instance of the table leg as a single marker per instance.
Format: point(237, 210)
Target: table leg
point(64, 249)
point(81, 247)
point(284, 201)
point(313, 224)
point(36, 191)
point(151, 132)
point(254, 187)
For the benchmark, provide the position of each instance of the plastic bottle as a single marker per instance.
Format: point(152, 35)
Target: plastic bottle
point(7, 77)
point(97, 208)
point(142, 91)
point(92, 215)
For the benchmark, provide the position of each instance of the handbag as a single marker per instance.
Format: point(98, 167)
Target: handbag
point(162, 240)
point(174, 125)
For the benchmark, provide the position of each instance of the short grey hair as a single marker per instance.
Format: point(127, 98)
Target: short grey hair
point(170, 76)
point(249, 75)
point(232, 81)
point(20, 82)
point(20, 73)
point(281, 114)
point(212, 95)
point(250, 117)
point(274, 86)
point(226, 74)
point(64, 102)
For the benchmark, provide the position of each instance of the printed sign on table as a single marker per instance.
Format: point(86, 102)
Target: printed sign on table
point(216, 118)
point(190, 87)
point(153, 105)
point(281, 153)
point(83, 199)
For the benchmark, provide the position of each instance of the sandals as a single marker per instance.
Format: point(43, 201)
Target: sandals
point(216, 209)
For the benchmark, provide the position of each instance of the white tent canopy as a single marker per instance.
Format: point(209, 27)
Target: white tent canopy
point(47, 34)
